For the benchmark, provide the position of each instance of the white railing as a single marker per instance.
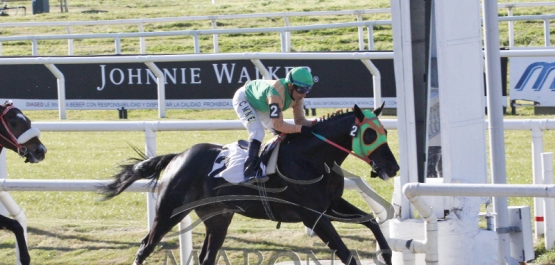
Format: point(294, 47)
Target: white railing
point(213, 18)
point(284, 31)
point(196, 34)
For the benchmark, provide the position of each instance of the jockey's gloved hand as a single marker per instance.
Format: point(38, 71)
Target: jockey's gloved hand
point(306, 131)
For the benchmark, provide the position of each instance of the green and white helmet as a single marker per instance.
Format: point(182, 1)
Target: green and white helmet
point(300, 77)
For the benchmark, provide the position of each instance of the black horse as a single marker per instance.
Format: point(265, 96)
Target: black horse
point(304, 189)
point(17, 135)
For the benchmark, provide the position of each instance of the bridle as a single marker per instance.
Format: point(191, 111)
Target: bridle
point(359, 147)
point(10, 139)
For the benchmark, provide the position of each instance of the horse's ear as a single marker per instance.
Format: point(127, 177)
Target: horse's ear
point(8, 103)
point(358, 113)
point(378, 111)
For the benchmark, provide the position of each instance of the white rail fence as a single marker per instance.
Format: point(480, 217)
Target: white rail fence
point(285, 31)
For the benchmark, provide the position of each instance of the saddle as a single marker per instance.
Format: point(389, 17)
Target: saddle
point(229, 162)
point(268, 156)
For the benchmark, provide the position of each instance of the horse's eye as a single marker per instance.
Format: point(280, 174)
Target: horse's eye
point(370, 136)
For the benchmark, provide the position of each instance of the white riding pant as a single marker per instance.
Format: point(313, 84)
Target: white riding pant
point(253, 120)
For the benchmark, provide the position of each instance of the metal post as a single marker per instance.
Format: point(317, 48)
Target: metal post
point(117, 42)
point(215, 37)
point(537, 149)
point(546, 33)
point(495, 118)
point(549, 203)
point(142, 43)
point(150, 151)
point(360, 34)
point(160, 80)
point(69, 42)
point(511, 28)
point(35, 47)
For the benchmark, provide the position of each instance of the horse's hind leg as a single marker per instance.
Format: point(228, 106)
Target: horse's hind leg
point(17, 229)
point(163, 223)
point(216, 231)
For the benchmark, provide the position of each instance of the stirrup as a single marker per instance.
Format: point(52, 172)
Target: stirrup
point(256, 179)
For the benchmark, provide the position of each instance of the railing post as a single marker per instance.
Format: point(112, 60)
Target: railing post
point(69, 42)
point(117, 42)
point(196, 40)
point(360, 34)
point(215, 37)
point(511, 27)
point(142, 43)
point(546, 32)
point(161, 86)
point(371, 36)
point(287, 35)
point(150, 151)
point(283, 41)
point(537, 149)
point(185, 241)
point(35, 47)
point(549, 203)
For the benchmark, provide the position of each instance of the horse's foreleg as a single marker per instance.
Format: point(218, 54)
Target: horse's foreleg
point(19, 233)
point(343, 208)
point(216, 231)
point(323, 227)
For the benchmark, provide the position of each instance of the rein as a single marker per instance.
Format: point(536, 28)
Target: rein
point(363, 158)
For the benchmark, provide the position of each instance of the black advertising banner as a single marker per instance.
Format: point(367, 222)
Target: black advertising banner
point(196, 85)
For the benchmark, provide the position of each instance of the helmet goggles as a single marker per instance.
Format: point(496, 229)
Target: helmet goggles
point(300, 87)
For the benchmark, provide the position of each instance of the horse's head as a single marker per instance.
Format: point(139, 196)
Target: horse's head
point(370, 140)
point(17, 134)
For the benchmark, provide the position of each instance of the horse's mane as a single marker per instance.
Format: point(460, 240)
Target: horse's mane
point(333, 115)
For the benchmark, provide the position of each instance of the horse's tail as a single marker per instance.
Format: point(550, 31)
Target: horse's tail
point(140, 168)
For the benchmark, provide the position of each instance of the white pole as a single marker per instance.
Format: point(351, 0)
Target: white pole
point(69, 42)
point(35, 47)
point(376, 80)
point(151, 197)
point(3, 175)
point(546, 33)
point(511, 28)
point(160, 80)
point(360, 34)
point(495, 118)
point(185, 241)
point(537, 149)
point(61, 90)
point(215, 37)
point(142, 43)
point(549, 203)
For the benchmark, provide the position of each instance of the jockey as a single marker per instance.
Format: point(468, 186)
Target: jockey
point(259, 104)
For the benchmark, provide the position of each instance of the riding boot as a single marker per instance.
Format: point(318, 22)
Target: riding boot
point(251, 162)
